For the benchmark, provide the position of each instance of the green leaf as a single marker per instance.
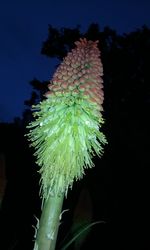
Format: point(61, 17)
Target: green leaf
point(80, 233)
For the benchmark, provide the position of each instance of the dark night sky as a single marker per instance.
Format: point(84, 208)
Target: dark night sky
point(24, 26)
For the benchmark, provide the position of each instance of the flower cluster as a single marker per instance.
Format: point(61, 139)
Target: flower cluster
point(66, 130)
point(80, 73)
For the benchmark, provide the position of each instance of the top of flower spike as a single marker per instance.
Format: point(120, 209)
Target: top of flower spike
point(80, 73)
point(83, 42)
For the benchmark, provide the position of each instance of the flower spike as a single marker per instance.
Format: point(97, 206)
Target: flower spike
point(66, 130)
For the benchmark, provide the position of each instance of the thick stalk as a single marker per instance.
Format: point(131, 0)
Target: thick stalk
point(49, 223)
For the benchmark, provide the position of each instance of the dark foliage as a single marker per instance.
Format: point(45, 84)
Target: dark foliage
point(119, 184)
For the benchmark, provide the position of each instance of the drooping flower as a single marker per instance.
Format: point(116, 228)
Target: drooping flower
point(66, 130)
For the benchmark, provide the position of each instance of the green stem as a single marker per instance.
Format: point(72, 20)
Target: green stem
point(49, 223)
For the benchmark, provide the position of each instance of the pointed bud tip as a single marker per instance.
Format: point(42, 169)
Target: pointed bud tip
point(84, 42)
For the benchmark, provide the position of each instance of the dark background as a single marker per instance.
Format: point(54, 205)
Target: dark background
point(116, 191)
point(24, 27)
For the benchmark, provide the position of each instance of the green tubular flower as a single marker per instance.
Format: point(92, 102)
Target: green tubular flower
point(65, 132)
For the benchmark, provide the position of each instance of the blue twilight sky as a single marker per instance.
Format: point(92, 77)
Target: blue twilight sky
point(24, 26)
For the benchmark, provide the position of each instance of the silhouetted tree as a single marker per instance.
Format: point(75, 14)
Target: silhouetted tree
point(121, 184)
point(127, 104)
point(20, 197)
